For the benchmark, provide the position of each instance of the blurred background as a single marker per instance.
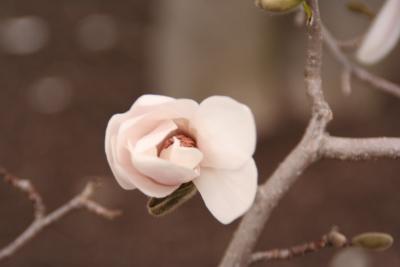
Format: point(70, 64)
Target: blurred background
point(67, 66)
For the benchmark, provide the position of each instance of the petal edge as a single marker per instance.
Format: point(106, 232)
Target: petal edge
point(228, 194)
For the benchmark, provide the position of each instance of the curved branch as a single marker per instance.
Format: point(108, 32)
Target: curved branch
point(42, 220)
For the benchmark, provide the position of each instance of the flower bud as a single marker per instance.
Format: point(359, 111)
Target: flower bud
point(278, 5)
point(373, 241)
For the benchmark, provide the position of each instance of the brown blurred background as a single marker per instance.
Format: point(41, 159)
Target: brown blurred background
point(67, 66)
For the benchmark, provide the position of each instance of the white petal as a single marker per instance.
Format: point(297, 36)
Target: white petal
point(228, 194)
point(160, 170)
point(145, 184)
point(383, 34)
point(142, 104)
point(188, 157)
point(225, 132)
point(124, 127)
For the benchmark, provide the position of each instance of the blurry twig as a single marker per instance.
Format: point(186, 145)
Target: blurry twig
point(42, 220)
point(358, 72)
point(346, 81)
point(350, 44)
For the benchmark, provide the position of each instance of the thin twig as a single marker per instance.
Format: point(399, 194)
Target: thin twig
point(332, 239)
point(350, 44)
point(42, 220)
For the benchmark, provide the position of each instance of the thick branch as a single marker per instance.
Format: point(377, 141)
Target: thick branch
point(358, 72)
point(41, 220)
point(306, 152)
point(360, 148)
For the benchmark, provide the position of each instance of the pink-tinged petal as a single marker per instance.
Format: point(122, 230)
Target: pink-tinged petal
point(124, 180)
point(225, 132)
point(142, 105)
point(383, 34)
point(188, 157)
point(128, 131)
point(111, 130)
point(228, 194)
point(110, 143)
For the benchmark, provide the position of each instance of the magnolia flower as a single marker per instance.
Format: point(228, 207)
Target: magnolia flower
point(383, 34)
point(163, 142)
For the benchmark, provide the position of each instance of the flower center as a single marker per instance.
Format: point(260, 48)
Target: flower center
point(184, 141)
point(181, 150)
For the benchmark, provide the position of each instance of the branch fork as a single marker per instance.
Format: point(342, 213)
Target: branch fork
point(43, 220)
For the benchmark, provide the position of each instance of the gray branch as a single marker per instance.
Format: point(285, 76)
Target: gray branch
point(304, 154)
point(314, 144)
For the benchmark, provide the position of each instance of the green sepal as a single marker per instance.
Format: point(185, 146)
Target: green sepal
point(162, 206)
